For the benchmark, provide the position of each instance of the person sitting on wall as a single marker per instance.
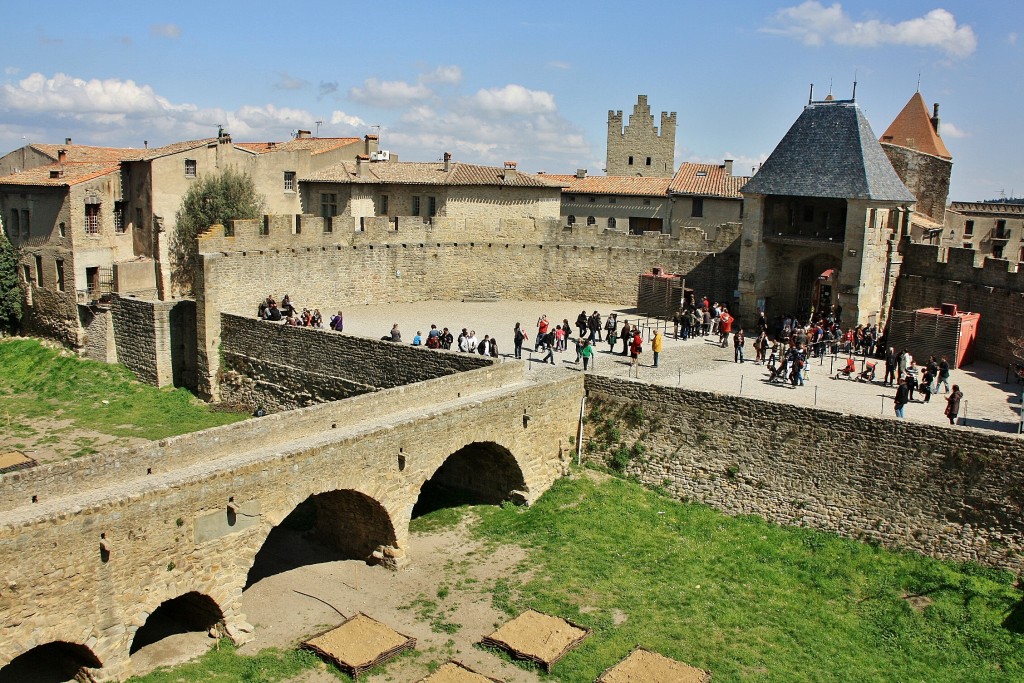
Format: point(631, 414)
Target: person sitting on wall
point(338, 322)
point(287, 308)
point(274, 313)
point(396, 334)
point(417, 340)
point(317, 320)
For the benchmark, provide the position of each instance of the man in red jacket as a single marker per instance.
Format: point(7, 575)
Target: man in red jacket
point(724, 327)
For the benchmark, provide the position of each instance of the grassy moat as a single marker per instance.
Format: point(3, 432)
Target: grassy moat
point(742, 598)
point(57, 405)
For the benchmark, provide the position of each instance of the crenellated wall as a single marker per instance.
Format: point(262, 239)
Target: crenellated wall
point(992, 287)
point(445, 260)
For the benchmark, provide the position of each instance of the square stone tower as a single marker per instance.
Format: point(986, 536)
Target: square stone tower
point(639, 149)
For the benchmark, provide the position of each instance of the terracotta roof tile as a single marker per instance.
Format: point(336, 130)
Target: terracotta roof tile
point(613, 184)
point(913, 129)
point(173, 148)
point(415, 173)
point(69, 174)
point(257, 147)
point(84, 153)
point(706, 180)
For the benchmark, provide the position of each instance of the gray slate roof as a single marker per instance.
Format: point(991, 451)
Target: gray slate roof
point(830, 152)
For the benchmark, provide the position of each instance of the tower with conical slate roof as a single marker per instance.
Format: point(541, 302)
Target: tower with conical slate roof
point(822, 219)
point(921, 160)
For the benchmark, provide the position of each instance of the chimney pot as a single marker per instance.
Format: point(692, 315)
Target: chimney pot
point(935, 117)
point(303, 134)
point(62, 156)
point(447, 161)
point(581, 173)
point(67, 141)
point(728, 166)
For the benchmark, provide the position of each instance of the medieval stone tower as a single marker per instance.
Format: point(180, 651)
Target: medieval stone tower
point(639, 149)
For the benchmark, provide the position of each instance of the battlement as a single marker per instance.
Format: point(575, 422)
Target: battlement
point(305, 233)
point(955, 264)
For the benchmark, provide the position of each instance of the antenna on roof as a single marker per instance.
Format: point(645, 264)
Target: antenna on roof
point(830, 86)
point(854, 96)
point(318, 124)
point(918, 81)
point(810, 96)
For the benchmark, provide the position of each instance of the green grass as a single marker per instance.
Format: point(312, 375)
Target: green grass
point(39, 382)
point(225, 665)
point(748, 600)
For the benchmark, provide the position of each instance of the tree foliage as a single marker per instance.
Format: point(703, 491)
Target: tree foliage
point(10, 288)
point(214, 199)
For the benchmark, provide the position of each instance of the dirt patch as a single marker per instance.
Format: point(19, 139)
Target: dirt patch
point(455, 672)
point(443, 600)
point(538, 637)
point(918, 603)
point(644, 666)
point(359, 643)
point(48, 439)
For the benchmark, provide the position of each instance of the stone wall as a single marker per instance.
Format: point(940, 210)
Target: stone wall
point(925, 175)
point(155, 339)
point(933, 276)
point(280, 367)
point(98, 338)
point(950, 493)
point(422, 262)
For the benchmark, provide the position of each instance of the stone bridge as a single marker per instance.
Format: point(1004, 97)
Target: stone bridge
point(90, 549)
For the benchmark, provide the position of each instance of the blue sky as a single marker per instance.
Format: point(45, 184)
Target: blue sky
point(525, 81)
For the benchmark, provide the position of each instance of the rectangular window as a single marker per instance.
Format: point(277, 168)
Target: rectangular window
point(697, 208)
point(138, 219)
point(60, 274)
point(612, 200)
point(14, 229)
point(119, 226)
point(328, 204)
point(648, 161)
point(415, 206)
point(808, 213)
point(968, 228)
point(1001, 231)
point(26, 224)
point(631, 161)
point(26, 274)
point(92, 219)
point(289, 181)
point(190, 168)
point(384, 205)
point(431, 206)
point(39, 271)
point(997, 252)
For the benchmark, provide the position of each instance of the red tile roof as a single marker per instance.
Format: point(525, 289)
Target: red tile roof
point(415, 173)
point(613, 184)
point(913, 129)
point(68, 174)
point(84, 153)
point(166, 150)
point(706, 180)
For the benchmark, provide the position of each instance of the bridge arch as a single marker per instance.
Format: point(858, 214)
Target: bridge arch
point(53, 662)
point(192, 612)
point(338, 524)
point(482, 472)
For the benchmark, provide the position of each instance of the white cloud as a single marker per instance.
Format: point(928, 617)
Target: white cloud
point(389, 94)
point(948, 130)
point(340, 118)
point(172, 31)
point(450, 74)
point(814, 24)
point(11, 70)
point(560, 65)
point(514, 99)
point(285, 81)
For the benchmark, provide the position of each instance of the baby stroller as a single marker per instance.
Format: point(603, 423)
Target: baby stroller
point(867, 374)
point(850, 371)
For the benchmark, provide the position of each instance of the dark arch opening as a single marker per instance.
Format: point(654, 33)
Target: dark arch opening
point(328, 527)
point(51, 663)
point(189, 613)
point(480, 473)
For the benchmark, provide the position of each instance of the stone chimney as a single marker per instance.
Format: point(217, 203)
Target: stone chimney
point(62, 156)
point(67, 141)
point(581, 173)
point(510, 171)
point(370, 144)
point(727, 166)
point(935, 117)
point(362, 163)
point(303, 134)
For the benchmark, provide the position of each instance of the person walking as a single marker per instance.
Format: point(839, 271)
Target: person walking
point(656, 346)
point(902, 397)
point(943, 379)
point(724, 327)
point(738, 341)
point(890, 366)
point(636, 346)
point(953, 403)
point(625, 334)
point(587, 352)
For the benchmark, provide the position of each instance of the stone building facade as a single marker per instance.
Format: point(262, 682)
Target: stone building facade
point(993, 230)
point(639, 149)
